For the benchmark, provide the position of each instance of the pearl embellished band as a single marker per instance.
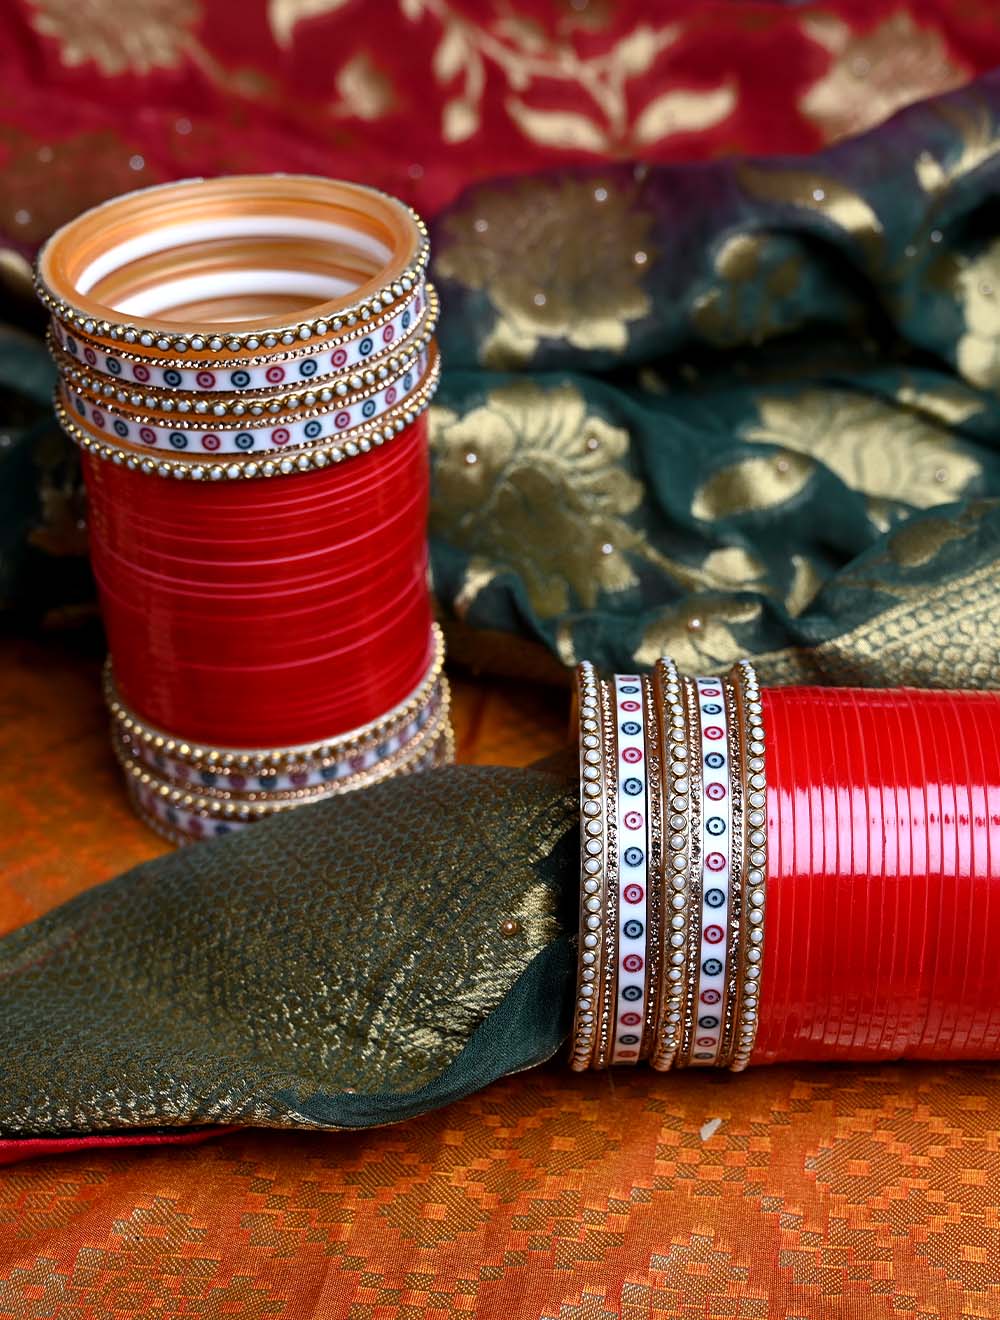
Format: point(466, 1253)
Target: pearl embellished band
point(673, 869)
point(180, 824)
point(230, 437)
point(385, 243)
point(754, 783)
point(186, 407)
point(361, 440)
point(366, 347)
point(591, 866)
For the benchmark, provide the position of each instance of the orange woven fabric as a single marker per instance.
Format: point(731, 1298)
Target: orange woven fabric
point(814, 1192)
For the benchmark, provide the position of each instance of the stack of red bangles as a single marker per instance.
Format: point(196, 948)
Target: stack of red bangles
point(783, 874)
point(245, 363)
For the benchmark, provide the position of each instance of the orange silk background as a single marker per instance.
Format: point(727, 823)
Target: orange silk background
point(784, 1192)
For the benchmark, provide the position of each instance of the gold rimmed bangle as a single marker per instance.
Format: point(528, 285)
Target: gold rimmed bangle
point(669, 702)
point(754, 781)
point(592, 880)
point(253, 806)
point(171, 235)
point(735, 933)
point(609, 964)
point(254, 761)
point(360, 440)
point(188, 411)
point(694, 871)
point(181, 827)
point(655, 756)
point(273, 355)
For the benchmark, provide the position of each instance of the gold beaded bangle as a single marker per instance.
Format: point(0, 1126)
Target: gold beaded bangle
point(440, 752)
point(67, 258)
point(754, 776)
point(223, 804)
point(592, 879)
point(655, 758)
point(230, 467)
point(609, 966)
point(279, 352)
point(676, 864)
point(304, 756)
point(189, 411)
point(737, 867)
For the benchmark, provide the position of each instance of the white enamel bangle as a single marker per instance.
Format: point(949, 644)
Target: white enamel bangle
point(364, 349)
point(633, 869)
point(104, 423)
point(716, 844)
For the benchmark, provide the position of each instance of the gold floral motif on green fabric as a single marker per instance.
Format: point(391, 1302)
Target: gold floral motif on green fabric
point(532, 483)
point(558, 259)
point(873, 446)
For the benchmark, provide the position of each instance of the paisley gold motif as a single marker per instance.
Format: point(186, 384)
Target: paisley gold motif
point(752, 484)
point(821, 193)
point(531, 483)
point(872, 74)
point(557, 259)
point(284, 15)
point(873, 446)
point(137, 38)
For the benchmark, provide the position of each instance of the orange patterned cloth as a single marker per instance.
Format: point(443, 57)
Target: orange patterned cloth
point(786, 1192)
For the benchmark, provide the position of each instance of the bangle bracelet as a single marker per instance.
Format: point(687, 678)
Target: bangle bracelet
point(181, 825)
point(716, 865)
point(201, 467)
point(676, 772)
point(755, 885)
point(362, 350)
point(124, 255)
point(263, 761)
point(632, 820)
point(609, 966)
point(252, 407)
point(592, 813)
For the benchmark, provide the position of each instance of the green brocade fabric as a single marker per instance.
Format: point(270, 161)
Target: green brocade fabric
point(743, 408)
point(351, 964)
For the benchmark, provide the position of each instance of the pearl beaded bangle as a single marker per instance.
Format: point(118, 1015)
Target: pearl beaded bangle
point(673, 858)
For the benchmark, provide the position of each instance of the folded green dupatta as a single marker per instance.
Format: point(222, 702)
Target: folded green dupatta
point(742, 408)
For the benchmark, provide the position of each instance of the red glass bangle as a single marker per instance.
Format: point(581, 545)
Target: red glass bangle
point(883, 915)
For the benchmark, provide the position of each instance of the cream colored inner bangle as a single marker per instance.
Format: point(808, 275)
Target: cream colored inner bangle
point(211, 255)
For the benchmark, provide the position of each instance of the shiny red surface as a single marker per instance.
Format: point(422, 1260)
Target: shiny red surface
point(882, 936)
point(264, 613)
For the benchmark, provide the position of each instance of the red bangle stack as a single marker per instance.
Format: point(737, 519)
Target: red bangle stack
point(245, 363)
point(788, 874)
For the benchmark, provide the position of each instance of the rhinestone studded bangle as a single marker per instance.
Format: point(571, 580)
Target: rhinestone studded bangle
point(304, 757)
point(375, 229)
point(592, 815)
point(673, 865)
point(754, 780)
point(271, 404)
point(360, 349)
point(361, 440)
point(676, 795)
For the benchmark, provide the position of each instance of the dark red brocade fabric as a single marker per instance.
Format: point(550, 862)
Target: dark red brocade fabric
point(422, 97)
